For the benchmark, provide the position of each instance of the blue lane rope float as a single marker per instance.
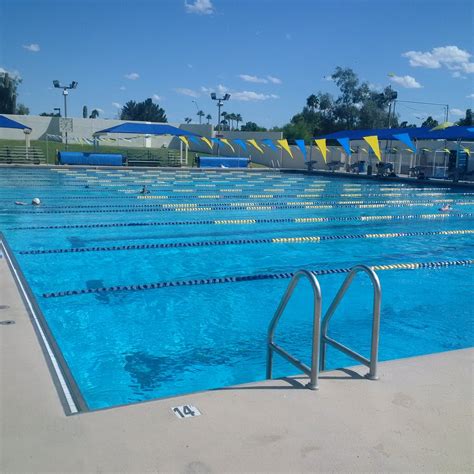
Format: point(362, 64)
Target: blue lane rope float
point(296, 220)
point(243, 278)
point(240, 207)
point(248, 203)
point(211, 243)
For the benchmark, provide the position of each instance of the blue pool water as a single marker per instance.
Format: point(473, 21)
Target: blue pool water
point(127, 344)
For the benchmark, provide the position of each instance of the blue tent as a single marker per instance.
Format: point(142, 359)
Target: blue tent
point(147, 129)
point(9, 123)
point(419, 133)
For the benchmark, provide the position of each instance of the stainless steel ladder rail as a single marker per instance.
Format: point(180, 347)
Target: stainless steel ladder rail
point(313, 371)
point(325, 339)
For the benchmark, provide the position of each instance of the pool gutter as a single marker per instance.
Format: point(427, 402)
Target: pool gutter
point(71, 398)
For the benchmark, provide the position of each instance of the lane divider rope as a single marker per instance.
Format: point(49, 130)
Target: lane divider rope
point(297, 220)
point(211, 243)
point(243, 278)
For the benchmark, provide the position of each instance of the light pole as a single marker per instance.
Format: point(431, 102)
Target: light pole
point(65, 89)
point(220, 102)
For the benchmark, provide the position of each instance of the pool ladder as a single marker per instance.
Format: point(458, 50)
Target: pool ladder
point(320, 338)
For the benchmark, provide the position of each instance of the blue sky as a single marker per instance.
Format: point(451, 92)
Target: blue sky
point(268, 54)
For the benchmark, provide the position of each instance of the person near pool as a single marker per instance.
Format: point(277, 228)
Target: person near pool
point(145, 190)
point(446, 208)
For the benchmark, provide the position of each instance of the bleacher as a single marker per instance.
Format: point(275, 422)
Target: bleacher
point(21, 155)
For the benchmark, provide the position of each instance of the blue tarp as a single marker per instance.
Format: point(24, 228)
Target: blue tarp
point(9, 123)
point(419, 133)
point(79, 158)
point(148, 129)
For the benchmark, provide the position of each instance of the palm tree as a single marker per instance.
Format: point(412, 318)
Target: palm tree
point(200, 114)
point(94, 114)
point(232, 117)
point(224, 117)
point(224, 123)
point(238, 118)
point(208, 118)
point(312, 102)
point(187, 120)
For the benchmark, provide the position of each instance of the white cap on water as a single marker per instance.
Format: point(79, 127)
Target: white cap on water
point(36, 201)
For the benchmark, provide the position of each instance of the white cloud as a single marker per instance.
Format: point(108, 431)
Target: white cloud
point(470, 96)
point(133, 76)
point(116, 105)
point(255, 79)
point(156, 97)
point(122, 88)
point(186, 91)
point(201, 7)
point(451, 57)
point(14, 74)
point(458, 75)
point(375, 87)
point(274, 80)
point(33, 47)
point(458, 112)
point(288, 36)
point(408, 82)
point(190, 66)
point(247, 96)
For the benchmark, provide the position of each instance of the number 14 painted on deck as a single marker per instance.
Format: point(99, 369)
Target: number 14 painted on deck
point(185, 411)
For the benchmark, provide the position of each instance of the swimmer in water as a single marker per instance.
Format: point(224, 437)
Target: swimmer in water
point(446, 208)
point(144, 190)
point(34, 202)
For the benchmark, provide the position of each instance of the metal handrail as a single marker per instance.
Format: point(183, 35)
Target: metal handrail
point(325, 339)
point(313, 371)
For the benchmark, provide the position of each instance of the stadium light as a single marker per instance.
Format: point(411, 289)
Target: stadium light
point(65, 89)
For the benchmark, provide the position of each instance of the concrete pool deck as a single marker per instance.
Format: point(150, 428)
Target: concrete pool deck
point(417, 418)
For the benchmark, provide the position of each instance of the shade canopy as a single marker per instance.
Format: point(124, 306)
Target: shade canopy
point(9, 123)
point(418, 133)
point(147, 129)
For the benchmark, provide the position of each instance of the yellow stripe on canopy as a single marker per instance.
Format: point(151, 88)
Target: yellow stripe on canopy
point(373, 142)
point(184, 140)
point(255, 144)
point(286, 147)
point(226, 141)
point(207, 141)
point(321, 144)
point(467, 151)
point(442, 126)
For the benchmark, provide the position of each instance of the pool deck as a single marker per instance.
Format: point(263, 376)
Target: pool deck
point(417, 418)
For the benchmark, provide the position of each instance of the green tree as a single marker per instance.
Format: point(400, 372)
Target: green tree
point(84, 111)
point(405, 124)
point(467, 121)
point(312, 102)
point(8, 93)
point(208, 118)
point(22, 109)
point(430, 122)
point(49, 114)
point(94, 114)
point(146, 111)
point(200, 114)
point(238, 118)
point(252, 127)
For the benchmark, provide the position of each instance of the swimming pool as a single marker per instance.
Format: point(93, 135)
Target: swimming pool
point(171, 292)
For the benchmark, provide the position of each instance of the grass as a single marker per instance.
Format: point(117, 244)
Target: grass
point(50, 149)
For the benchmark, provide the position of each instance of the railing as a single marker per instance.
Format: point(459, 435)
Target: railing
point(313, 371)
point(325, 339)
